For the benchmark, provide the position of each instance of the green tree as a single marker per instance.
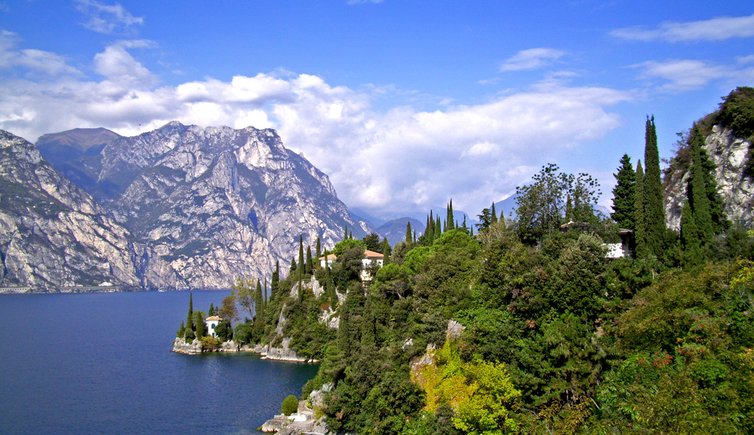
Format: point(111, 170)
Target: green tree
point(697, 192)
point(654, 208)
point(639, 220)
point(190, 316)
point(493, 213)
point(201, 328)
point(386, 251)
point(450, 219)
point(289, 405)
point(243, 294)
point(692, 249)
point(408, 232)
point(301, 261)
point(624, 195)
point(372, 242)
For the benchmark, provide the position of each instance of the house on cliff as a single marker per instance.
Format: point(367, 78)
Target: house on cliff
point(369, 261)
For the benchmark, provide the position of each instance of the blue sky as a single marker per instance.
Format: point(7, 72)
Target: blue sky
point(403, 103)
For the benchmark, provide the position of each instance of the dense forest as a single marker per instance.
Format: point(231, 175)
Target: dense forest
point(523, 324)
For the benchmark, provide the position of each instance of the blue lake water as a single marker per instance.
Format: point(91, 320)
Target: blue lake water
point(101, 363)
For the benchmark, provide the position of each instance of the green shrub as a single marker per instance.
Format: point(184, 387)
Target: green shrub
point(290, 405)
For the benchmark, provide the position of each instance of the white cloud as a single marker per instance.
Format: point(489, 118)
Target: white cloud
point(120, 68)
point(33, 60)
point(107, 18)
point(714, 29)
point(383, 161)
point(684, 74)
point(532, 58)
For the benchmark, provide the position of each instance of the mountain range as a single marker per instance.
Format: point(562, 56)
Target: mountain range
point(192, 207)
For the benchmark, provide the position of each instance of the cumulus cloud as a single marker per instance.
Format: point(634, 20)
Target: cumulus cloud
point(386, 162)
point(714, 29)
point(532, 58)
point(684, 74)
point(107, 18)
point(37, 61)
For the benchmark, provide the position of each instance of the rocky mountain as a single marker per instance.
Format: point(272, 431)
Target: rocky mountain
point(395, 230)
point(207, 205)
point(54, 235)
point(729, 133)
point(76, 154)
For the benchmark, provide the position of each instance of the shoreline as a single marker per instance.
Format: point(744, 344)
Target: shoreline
point(265, 352)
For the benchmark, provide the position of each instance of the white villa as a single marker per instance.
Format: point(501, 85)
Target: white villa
point(212, 322)
point(370, 259)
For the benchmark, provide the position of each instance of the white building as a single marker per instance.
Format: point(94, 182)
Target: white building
point(212, 322)
point(370, 260)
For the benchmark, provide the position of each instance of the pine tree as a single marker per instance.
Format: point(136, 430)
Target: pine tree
point(692, 251)
point(654, 209)
point(639, 227)
point(697, 193)
point(624, 195)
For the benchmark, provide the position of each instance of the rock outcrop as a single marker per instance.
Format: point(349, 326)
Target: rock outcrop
point(53, 235)
point(729, 153)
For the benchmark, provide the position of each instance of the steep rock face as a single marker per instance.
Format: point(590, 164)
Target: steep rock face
point(729, 155)
point(53, 235)
point(208, 205)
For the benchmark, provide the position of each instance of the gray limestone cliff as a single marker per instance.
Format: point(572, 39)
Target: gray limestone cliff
point(53, 235)
point(729, 153)
point(185, 207)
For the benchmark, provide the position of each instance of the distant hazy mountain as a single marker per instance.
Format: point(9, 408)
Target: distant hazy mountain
point(206, 205)
point(53, 234)
point(395, 230)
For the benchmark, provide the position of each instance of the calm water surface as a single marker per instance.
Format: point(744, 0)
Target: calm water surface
point(101, 363)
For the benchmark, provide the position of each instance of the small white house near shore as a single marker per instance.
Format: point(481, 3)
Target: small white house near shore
point(212, 322)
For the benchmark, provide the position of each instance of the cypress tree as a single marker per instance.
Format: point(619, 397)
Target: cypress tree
point(569, 209)
point(345, 232)
point(309, 260)
point(624, 195)
point(654, 209)
point(275, 278)
point(502, 219)
point(190, 317)
point(639, 227)
point(438, 229)
point(692, 252)
point(386, 251)
point(720, 222)
point(258, 301)
point(493, 213)
point(201, 328)
point(408, 232)
point(319, 247)
point(697, 193)
point(301, 264)
point(450, 224)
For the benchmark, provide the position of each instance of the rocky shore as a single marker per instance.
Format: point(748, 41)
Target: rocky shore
point(283, 353)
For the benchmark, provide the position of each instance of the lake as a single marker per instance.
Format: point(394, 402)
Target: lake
point(101, 363)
